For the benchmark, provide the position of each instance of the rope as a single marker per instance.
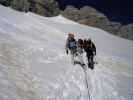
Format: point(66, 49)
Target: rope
point(86, 81)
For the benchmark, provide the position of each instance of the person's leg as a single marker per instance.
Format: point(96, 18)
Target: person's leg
point(88, 59)
point(72, 56)
point(75, 52)
point(72, 59)
point(81, 58)
point(91, 62)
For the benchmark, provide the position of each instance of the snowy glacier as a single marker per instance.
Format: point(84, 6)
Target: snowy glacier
point(34, 66)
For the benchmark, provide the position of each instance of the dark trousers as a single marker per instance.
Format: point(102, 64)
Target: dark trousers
point(73, 54)
point(90, 61)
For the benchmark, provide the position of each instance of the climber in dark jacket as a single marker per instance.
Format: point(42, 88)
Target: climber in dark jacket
point(90, 49)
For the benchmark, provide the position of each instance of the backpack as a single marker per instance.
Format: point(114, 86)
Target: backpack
point(72, 44)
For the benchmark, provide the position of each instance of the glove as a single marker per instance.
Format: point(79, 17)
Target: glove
point(94, 53)
point(67, 52)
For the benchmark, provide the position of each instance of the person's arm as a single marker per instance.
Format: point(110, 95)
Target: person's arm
point(94, 48)
point(66, 46)
point(85, 49)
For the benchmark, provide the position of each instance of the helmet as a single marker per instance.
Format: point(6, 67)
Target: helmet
point(71, 35)
point(89, 41)
point(80, 41)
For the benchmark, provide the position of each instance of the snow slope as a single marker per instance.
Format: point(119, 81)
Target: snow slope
point(34, 66)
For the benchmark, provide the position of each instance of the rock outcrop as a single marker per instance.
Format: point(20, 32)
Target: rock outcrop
point(126, 31)
point(91, 17)
point(43, 7)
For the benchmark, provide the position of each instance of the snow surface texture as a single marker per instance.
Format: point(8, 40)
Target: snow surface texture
point(34, 66)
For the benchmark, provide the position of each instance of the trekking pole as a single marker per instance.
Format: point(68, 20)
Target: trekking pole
point(89, 95)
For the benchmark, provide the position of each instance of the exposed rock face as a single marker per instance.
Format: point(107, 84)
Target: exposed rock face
point(5, 2)
point(71, 13)
point(44, 7)
point(90, 16)
point(126, 31)
point(21, 5)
